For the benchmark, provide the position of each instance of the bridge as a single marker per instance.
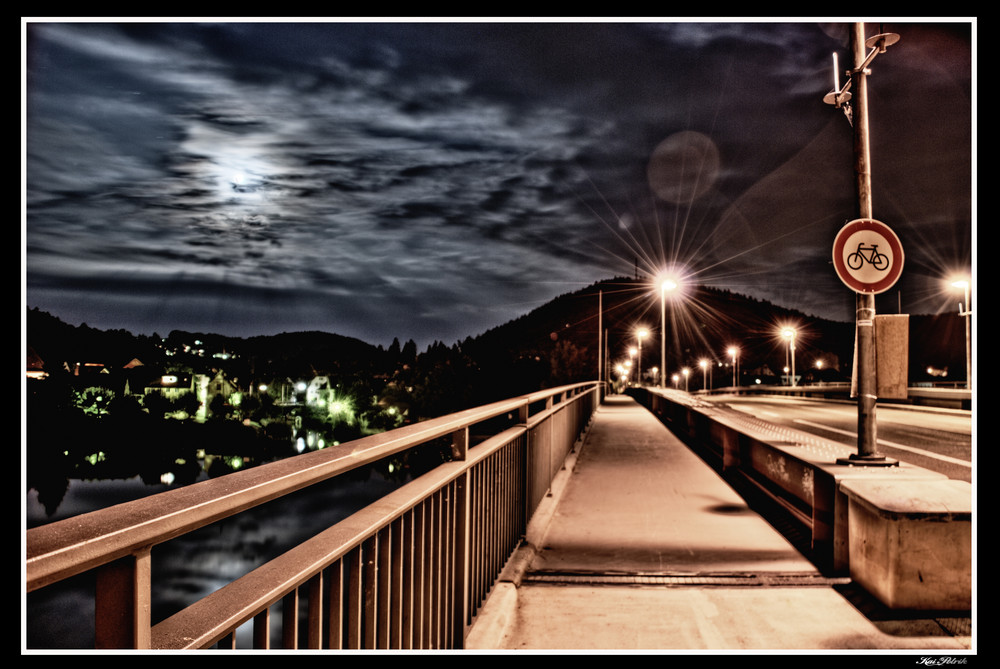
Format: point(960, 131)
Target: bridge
point(565, 520)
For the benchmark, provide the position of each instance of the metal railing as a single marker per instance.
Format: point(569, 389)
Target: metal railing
point(410, 570)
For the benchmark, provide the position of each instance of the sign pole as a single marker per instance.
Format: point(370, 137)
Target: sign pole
point(867, 386)
point(857, 257)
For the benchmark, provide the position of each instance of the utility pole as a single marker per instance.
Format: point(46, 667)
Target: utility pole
point(600, 330)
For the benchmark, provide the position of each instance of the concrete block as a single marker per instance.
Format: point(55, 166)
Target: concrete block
point(910, 542)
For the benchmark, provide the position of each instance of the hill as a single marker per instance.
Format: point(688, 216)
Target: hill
point(702, 324)
point(559, 342)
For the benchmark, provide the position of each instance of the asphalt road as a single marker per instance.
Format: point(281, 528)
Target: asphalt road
point(936, 439)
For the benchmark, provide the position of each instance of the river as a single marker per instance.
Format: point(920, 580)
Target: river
point(185, 569)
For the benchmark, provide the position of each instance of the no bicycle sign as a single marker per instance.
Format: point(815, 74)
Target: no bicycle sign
point(867, 256)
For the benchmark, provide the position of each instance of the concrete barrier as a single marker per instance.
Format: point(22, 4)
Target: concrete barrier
point(903, 533)
point(910, 543)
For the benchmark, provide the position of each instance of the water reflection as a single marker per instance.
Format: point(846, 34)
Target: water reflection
point(194, 565)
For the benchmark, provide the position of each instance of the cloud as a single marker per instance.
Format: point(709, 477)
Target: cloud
point(368, 178)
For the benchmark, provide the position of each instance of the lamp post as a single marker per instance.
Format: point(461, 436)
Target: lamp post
point(640, 335)
point(667, 285)
point(967, 313)
point(686, 372)
point(732, 352)
point(704, 374)
point(789, 334)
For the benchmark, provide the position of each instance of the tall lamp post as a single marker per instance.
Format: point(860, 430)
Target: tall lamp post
point(967, 313)
point(686, 372)
point(789, 334)
point(704, 374)
point(640, 335)
point(732, 352)
point(666, 286)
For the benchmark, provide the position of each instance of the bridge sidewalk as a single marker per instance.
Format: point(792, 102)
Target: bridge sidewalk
point(643, 546)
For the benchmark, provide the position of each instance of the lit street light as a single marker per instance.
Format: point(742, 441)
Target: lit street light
point(666, 286)
point(967, 313)
point(686, 372)
point(704, 373)
point(789, 334)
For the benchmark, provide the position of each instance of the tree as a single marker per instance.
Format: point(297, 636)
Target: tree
point(95, 400)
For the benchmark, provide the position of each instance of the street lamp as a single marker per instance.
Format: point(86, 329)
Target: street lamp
point(967, 313)
point(789, 334)
point(666, 286)
point(640, 335)
point(686, 372)
point(704, 373)
point(732, 352)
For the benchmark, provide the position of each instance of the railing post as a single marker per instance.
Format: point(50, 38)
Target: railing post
point(460, 444)
point(460, 546)
point(122, 603)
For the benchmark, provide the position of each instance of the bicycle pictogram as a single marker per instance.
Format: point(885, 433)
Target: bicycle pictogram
point(870, 254)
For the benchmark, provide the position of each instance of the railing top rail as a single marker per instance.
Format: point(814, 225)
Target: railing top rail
point(209, 619)
point(74, 545)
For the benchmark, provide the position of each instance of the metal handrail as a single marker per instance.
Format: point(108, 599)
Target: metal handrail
point(116, 541)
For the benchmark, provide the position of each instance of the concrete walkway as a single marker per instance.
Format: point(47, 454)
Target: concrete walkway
point(643, 547)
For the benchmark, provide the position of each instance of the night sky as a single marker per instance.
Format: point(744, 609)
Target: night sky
point(430, 181)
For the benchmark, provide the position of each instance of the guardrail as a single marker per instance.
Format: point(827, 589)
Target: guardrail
point(409, 571)
point(945, 398)
point(915, 522)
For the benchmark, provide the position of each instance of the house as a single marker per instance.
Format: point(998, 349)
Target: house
point(170, 386)
point(35, 365)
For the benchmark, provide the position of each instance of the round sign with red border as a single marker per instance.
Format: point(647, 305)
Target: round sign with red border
point(867, 256)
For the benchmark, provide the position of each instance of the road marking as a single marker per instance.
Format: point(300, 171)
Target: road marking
point(890, 444)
